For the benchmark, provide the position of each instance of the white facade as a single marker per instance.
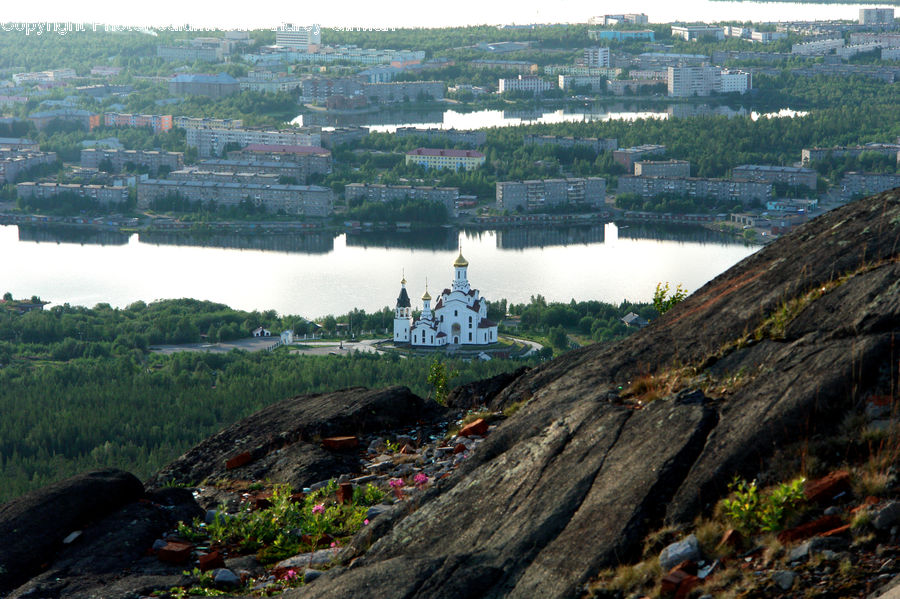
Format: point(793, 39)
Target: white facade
point(596, 57)
point(301, 37)
point(817, 47)
point(459, 316)
point(535, 85)
point(735, 81)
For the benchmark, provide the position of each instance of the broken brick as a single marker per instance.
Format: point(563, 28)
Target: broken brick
point(867, 503)
point(732, 538)
point(687, 585)
point(210, 561)
point(239, 460)
point(340, 443)
point(459, 448)
point(828, 487)
point(175, 553)
point(840, 530)
point(345, 493)
point(479, 427)
point(810, 529)
point(689, 566)
point(672, 581)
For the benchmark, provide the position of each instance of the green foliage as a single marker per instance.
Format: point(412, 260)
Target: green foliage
point(663, 302)
point(439, 377)
point(752, 512)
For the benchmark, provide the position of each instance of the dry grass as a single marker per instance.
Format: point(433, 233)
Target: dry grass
point(709, 532)
point(635, 578)
point(648, 388)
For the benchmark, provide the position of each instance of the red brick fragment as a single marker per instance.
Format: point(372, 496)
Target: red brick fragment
point(210, 561)
point(262, 501)
point(810, 529)
point(687, 585)
point(867, 503)
point(479, 427)
point(345, 493)
point(688, 566)
point(671, 581)
point(297, 497)
point(828, 487)
point(732, 538)
point(459, 448)
point(340, 443)
point(840, 530)
point(239, 460)
point(175, 553)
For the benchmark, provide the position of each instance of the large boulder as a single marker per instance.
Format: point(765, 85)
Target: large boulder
point(282, 443)
point(33, 526)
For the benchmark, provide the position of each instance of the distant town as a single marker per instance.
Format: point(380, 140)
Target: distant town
point(285, 126)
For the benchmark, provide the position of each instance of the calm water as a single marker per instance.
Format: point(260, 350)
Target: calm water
point(321, 274)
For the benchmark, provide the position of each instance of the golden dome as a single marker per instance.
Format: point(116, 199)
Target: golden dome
point(426, 297)
point(460, 261)
point(403, 281)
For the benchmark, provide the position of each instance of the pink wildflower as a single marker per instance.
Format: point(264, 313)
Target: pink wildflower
point(366, 522)
point(319, 508)
point(395, 483)
point(290, 575)
point(420, 479)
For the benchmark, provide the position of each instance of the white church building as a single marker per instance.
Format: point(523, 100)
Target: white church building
point(459, 316)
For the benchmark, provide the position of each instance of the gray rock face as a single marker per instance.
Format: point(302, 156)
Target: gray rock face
point(33, 526)
point(282, 439)
point(685, 549)
point(784, 579)
point(571, 483)
point(887, 516)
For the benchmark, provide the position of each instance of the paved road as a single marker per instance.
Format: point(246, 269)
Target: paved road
point(249, 344)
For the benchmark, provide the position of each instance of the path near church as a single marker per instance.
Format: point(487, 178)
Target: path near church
point(262, 343)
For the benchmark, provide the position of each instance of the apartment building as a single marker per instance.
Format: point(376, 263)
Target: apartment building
point(206, 173)
point(594, 82)
point(212, 142)
point(857, 185)
point(718, 189)
point(191, 122)
point(295, 200)
point(216, 86)
point(646, 35)
point(520, 66)
point(788, 175)
point(883, 40)
point(376, 192)
point(85, 119)
point(298, 37)
point(540, 194)
point(596, 144)
point(876, 16)
point(817, 47)
point(158, 122)
point(524, 83)
point(309, 159)
point(698, 32)
point(662, 168)
point(620, 87)
point(152, 159)
point(439, 158)
point(595, 57)
point(14, 162)
point(105, 195)
point(628, 156)
point(453, 136)
point(808, 155)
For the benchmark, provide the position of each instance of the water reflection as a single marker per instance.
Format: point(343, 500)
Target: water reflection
point(63, 234)
point(524, 237)
point(675, 233)
point(428, 239)
point(306, 243)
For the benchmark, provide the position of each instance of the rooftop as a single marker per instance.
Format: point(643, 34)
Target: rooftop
point(441, 152)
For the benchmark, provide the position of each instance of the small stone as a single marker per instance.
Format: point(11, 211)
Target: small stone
point(226, 577)
point(376, 446)
point(784, 579)
point(800, 552)
point(832, 510)
point(377, 510)
point(459, 448)
point(158, 544)
point(887, 516)
point(210, 516)
point(362, 480)
point(71, 537)
point(685, 549)
point(310, 575)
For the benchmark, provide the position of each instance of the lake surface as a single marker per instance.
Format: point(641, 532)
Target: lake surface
point(320, 274)
point(387, 121)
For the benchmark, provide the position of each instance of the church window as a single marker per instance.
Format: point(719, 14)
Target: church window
point(456, 313)
point(470, 321)
point(470, 336)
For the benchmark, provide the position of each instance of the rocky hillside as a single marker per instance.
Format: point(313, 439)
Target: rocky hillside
point(607, 444)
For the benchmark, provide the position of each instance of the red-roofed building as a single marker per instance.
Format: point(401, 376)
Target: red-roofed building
point(439, 158)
